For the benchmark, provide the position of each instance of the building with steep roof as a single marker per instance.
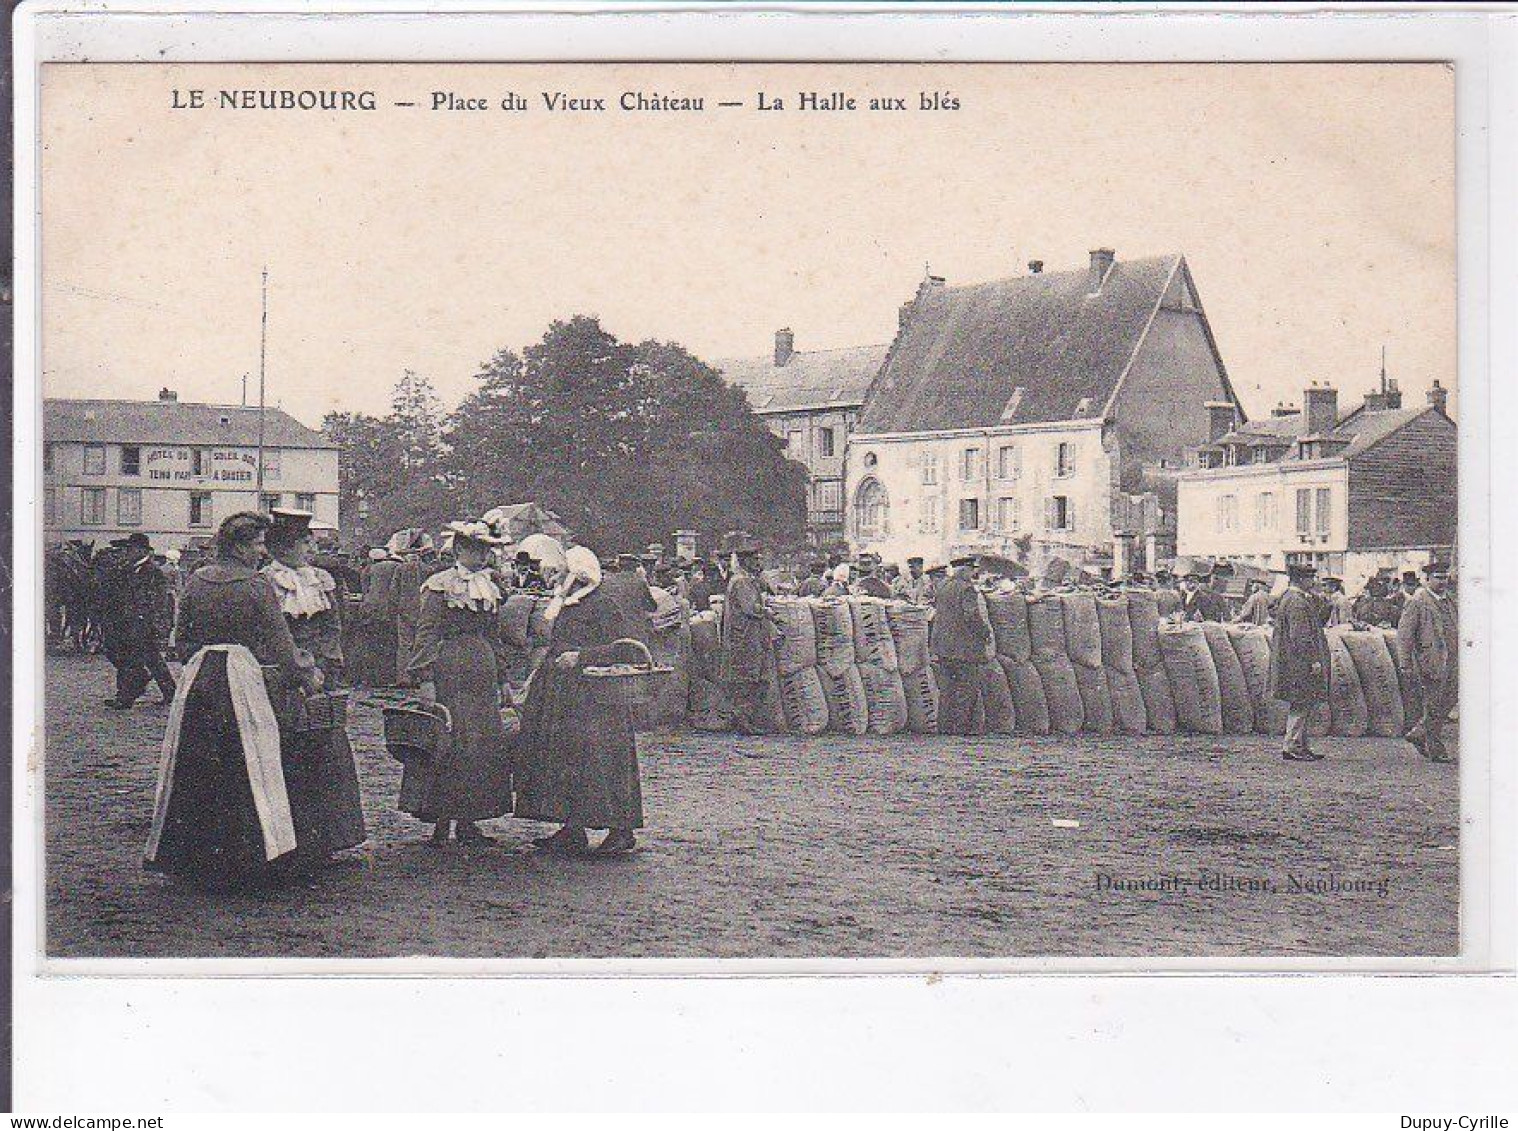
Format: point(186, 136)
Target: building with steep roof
point(1037, 417)
point(810, 399)
point(174, 470)
point(1371, 489)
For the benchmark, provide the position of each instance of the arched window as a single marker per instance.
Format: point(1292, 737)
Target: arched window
point(872, 509)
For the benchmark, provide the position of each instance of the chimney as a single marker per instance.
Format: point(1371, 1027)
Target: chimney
point(167, 395)
point(1283, 409)
point(1438, 396)
point(1101, 263)
point(1220, 420)
point(785, 345)
point(1035, 266)
point(1392, 394)
point(1320, 409)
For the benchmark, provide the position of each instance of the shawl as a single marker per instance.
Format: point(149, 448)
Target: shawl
point(303, 591)
point(461, 589)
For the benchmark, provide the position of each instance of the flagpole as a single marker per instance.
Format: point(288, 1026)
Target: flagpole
point(263, 335)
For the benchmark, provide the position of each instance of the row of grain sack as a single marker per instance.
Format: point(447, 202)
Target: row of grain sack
point(1109, 665)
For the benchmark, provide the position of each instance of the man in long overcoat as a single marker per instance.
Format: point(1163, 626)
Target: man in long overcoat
point(1299, 662)
point(747, 640)
point(958, 639)
point(1428, 640)
point(130, 601)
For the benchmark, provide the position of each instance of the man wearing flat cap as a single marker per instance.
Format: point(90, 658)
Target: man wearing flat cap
point(747, 643)
point(917, 587)
point(1199, 601)
point(959, 637)
point(1428, 642)
point(1299, 661)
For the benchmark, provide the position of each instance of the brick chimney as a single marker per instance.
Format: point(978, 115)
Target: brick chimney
point(1101, 263)
point(167, 395)
point(1283, 409)
point(1438, 397)
point(1320, 409)
point(785, 345)
point(1035, 266)
point(1220, 420)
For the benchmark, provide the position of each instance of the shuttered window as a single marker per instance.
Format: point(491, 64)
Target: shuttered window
point(1304, 510)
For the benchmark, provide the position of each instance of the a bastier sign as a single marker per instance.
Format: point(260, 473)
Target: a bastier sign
point(220, 465)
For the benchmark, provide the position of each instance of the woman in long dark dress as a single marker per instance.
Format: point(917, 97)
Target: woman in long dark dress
point(577, 759)
point(223, 813)
point(319, 772)
point(456, 664)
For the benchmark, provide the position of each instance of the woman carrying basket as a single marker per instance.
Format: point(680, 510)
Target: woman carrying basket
point(455, 662)
point(577, 754)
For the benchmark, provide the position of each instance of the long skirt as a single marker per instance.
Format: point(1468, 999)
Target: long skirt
point(469, 776)
point(371, 656)
point(210, 830)
point(577, 759)
point(322, 783)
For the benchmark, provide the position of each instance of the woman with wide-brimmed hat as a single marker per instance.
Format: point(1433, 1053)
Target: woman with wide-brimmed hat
point(577, 756)
point(455, 662)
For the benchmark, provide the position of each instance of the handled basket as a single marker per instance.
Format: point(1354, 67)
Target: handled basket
point(627, 671)
point(303, 713)
point(416, 733)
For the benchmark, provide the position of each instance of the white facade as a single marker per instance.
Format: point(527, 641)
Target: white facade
point(1260, 513)
point(991, 490)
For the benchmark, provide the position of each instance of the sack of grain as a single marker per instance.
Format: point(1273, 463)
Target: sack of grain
point(1378, 683)
point(771, 713)
point(834, 625)
point(1096, 699)
point(705, 645)
point(1046, 630)
point(872, 633)
point(795, 634)
point(710, 708)
point(1349, 717)
point(909, 633)
point(1128, 714)
point(1193, 678)
point(1009, 625)
point(1407, 679)
point(669, 693)
point(1001, 714)
point(1233, 688)
point(921, 693)
point(1251, 644)
point(1083, 633)
point(803, 702)
point(1144, 620)
point(1030, 710)
point(516, 612)
point(1320, 721)
point(1159, 699)
point(886, 702)
point(1061, 693)
point(848, 708)
point(1117, 633)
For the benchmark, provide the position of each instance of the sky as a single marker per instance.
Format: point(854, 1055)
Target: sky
point(1314, 204)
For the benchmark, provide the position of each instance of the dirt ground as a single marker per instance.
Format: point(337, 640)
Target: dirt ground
point(789, 847)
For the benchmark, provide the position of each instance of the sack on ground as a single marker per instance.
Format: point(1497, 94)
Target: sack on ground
point(1001, 714)
point(909, 633)
point(872, 633)
point(834, 625)
point(886, 702)
point(1096, 699)
point(1009, 625)
point(1128, 714)
point(921, 691)
point(1066, 715)
point(1117, 633)
point(1193, 678)
point(1030, 710)
point(1159, 699)
point(669, 692)
point(1377, 672)
point(848, 708)
point(1349, 717)
point(1233, 688)
point(705, 645)
point(1144, 620)
point(1083, 633)
point(1251, 644)
point(803, 702)
point(1046, 630)
point(710, 708)
point(1407, 680)
point(795, 634)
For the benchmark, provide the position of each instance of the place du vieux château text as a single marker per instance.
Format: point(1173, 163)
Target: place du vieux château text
point(562, 101)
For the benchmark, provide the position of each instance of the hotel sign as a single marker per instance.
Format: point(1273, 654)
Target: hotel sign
point(217, 465)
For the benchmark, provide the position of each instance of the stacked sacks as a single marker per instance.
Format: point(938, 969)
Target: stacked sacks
point(709, 708)
point(1407, 680)
point(1046, 631)
point(909, 633)
point(996, 693)
point(1251, 644)
point(1348, 715)
point(1083, 644)
point(1377, 672)
point(1193, 678)
point(842, 686)
point(875, 656)
point(1149, 664)
point(669, 643)
point(1236, 704)
point(803, 703)
point(1014, 652)
point(1128, 713)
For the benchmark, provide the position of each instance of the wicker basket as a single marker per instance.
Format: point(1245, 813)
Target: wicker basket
point(415, 732)
point(326, 710)
point(627, 671)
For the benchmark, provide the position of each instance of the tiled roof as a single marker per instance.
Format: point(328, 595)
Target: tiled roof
point(810, 379)
point(172, 422)
point(965, 351)
point(1362, 429)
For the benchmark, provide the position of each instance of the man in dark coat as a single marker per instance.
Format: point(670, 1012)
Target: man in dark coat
point(870, 584)
point(130, 598)
point(747, 639)
point(958, 638)
point(1199, 601)
point(1374, 607)
point(1428, 640)
point(1299, 663)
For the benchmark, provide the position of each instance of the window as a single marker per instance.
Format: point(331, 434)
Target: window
point(929, 469)
point(200, 508)
point(50, 506)
point(1006, 514)
point(970, 468)
point(307, 502)
point(929, 514)
point(969, 514)
point(1261, 455)
point(1008, 461)
point(131, 460)
point(198, 461)
point(1265, 511)
point(825, 442)
point(1304, 510)
point(47, 457)
point(1228, 513)
point(129, 506)
point(1064, 459)
point(270, 500)
point(793, 441)
point(92, 506)
point(94, 459)
point(1325, 513)
point(271, 463)
point(1061, 513)
point(872, 509)
point(829, 497)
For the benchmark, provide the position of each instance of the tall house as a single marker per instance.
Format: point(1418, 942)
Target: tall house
point(1036, 417)
point(174, 470)
point(1351, 493)
point(811, 400)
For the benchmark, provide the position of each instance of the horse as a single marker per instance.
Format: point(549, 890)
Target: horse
point(68, 589)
